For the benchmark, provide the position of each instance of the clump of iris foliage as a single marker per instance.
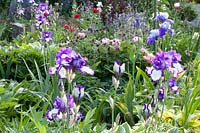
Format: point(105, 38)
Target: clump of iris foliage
point(109, 67)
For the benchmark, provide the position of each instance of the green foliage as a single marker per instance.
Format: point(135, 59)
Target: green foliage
point(12, 65)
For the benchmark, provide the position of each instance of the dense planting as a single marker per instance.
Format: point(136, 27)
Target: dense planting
point(100, 67)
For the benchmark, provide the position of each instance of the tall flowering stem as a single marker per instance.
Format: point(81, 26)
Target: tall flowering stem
point(67, 63)
point(164, 71)
point(118, 69)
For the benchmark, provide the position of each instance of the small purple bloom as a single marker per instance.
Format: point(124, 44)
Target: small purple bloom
point(40, 20)
point(79, 116)
point(43, 6)
point(172, 82)
point(161, 94)
point(137, 21)
point(175, 89)
point(46, 36)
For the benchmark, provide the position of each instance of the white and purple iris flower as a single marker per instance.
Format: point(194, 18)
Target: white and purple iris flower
point(154, 34)
point(165, 61)
point(162, 16)
point(118, 68)
point(68, 60)
point(60, 108)
point(78, 92)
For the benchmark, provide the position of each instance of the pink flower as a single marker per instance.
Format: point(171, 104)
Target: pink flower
point(115, 44)
point(105, 41)
point(81, 35)
point(68, 27)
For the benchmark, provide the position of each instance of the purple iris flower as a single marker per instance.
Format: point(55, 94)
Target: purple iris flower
point(159, 61)
point(65, 56)
point(46, 36)
point(59, 104)
point(165, 60)
point(60, 108)
point(67, 59)
point(40, 20)
point(154, 34)
point(164, 28)
point(162, 16)
point(43, 6)
point(79, 61)
point(161, 94)
point(51, 115)
point(146, 111)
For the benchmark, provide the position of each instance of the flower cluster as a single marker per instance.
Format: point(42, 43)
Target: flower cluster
point(67, 61)
point(168, 61)
point(42, 14)
point(68, 27)
point(63, 107)
point(164, 28)
point(114, 43)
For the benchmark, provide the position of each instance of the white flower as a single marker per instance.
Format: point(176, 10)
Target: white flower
point(177, 5)
point(99, 4)
point(135, 39)
point(195, 36)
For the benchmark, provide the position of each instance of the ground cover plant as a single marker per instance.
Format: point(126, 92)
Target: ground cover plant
point(100, 67)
